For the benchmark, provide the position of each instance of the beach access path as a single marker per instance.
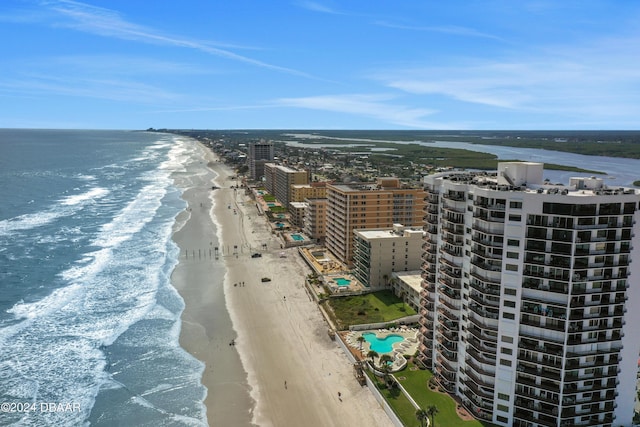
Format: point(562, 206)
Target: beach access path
point(291, 372)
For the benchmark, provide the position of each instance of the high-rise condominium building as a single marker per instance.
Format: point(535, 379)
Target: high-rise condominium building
point(370, 205)
point(530, 300)
point(259, 153)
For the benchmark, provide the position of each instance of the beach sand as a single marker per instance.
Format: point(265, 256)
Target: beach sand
point(283, 369)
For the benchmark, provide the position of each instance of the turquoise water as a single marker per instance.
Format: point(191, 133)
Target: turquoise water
point(381, 345)
point(341, 281)
point(271, 204)
point(297, 237)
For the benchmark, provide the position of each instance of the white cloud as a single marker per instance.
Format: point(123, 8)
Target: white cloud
point(445, 29)
point(105, 22)
point(317, 7)
point(111, 89)
point(372, 106)
point(601, 79)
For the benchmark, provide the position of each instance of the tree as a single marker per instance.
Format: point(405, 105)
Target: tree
point(422, 416)
point(360, 341)
point(372, 355)
point(384, 360)
point(385, 367)
point(432, 410)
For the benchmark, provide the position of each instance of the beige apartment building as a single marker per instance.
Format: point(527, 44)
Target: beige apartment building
point(297, 211)
point(312, 190)
point(315, 218)
point(379, 253)
point(368, 205)
point(279, 180)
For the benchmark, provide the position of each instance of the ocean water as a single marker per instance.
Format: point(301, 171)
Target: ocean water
point(89, 321)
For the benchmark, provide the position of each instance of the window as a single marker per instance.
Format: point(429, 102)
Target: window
point(503, 396)
point(509, 340)
point(502, 419)
point(510, 304)
point(505, 350)
point(505, 362)
point(515, 205)
point(509, 316)
point(509, 291)
point(503, 408)
point(513, 255)
point(515, 218)
point(513, 242)
point(511, 267)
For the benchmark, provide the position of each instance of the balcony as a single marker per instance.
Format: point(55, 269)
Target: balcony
point(543, 384)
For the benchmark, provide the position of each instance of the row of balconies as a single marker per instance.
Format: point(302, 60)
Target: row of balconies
point(545, 360)
point(591, 386)
point(591, 362)
point(604, 287)
point(539, 405)
point(594, 398)
point(539, 371)
point(481, 389)
point(491, 277)
point(581, 313)
point(538, 382)
point(585, 374)
point(542, 322)
point(483, 334)
point(598, 299)
point(600, 337)
point(483, 322)
point(538, 419)
point(484, 287)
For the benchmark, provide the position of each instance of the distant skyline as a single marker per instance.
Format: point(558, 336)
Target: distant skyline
point(245, 64)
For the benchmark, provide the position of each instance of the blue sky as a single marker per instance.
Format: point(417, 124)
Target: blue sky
point(298, 64)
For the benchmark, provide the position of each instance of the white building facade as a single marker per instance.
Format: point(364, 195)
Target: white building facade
point(527, 307)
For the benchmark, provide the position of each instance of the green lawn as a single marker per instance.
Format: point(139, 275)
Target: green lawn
point(398, 402)
point(416, 383)
point(269, 198)
point(376, 307)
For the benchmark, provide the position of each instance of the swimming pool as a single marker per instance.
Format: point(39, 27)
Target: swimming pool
point(381, 345)
point(341, 281)
point(297, 237)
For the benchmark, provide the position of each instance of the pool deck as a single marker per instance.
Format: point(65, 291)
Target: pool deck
point(408, 346)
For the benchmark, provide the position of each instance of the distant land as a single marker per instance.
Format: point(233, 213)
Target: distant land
point(387, 147)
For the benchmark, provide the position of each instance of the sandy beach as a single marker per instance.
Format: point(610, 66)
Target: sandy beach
point(283, 370)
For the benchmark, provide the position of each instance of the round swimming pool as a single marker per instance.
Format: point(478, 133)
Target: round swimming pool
point(382, 345)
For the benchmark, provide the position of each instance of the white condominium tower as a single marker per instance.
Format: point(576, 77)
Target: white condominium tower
point(530, 308)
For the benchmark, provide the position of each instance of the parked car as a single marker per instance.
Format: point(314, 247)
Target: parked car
point(256, 255)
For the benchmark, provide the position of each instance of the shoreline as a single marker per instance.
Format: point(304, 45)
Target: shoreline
point(283, 369)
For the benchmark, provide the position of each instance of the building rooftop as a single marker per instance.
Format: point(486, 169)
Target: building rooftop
point(411, 278)
point(527, 177)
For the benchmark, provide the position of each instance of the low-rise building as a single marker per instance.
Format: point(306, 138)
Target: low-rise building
point(380, 252)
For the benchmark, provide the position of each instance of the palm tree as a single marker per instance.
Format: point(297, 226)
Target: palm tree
point(422, 416)
point(432, 410)
point(384, 360)
point(360, 341)
point(386, 369)
point(372, 355)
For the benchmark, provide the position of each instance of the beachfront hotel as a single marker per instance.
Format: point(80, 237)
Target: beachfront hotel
point(315, 218)
point(529, 308)
point(259, 153)
point(368, 205)
point(279, 180)
point(380, 252)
